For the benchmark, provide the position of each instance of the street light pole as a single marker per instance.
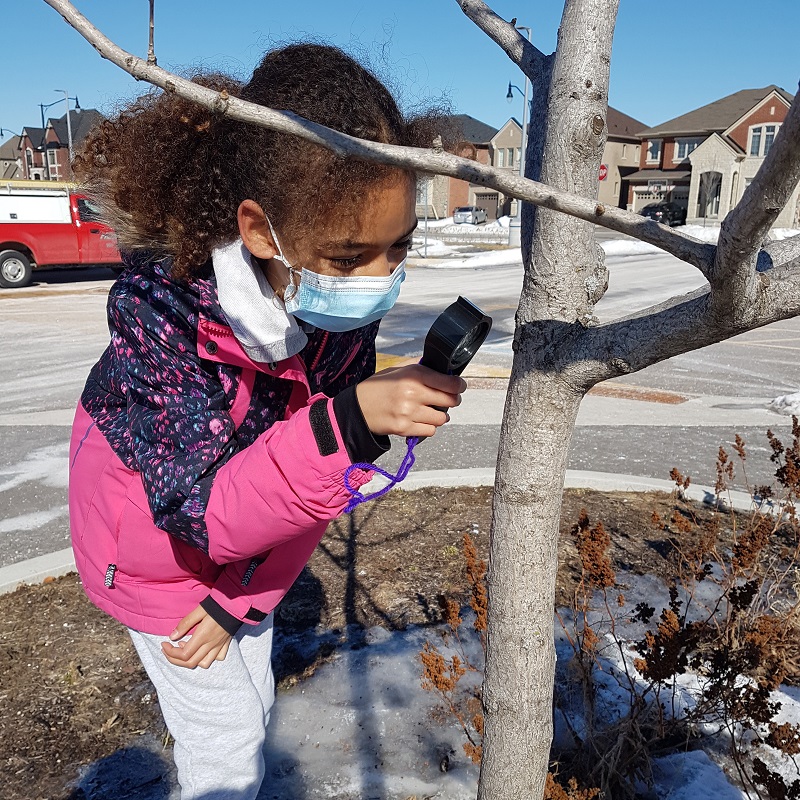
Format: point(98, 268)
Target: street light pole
point(69, 127)
point(515, 224)
point(42, 107)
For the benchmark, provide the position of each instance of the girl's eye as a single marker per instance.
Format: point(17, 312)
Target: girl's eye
point(346, 262)
point(404, 245)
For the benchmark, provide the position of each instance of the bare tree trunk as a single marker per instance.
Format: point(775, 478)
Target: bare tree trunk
point(564, 276)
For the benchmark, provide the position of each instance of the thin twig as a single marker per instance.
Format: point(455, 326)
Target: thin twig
point(525, 55)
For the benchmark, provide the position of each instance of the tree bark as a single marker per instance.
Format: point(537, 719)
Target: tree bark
point(564, 277)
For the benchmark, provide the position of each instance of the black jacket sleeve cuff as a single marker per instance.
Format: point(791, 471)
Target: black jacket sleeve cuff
point(225, 620)
point(361, 443)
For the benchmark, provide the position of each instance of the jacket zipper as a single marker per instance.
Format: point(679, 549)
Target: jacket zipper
point(319, 352)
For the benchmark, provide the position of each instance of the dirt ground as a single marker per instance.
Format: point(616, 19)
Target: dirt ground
point(72, 690)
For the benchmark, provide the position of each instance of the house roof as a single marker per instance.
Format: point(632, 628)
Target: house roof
point(9, 151)
point(621, 125)
point(473, 130)
point(716, 116)
point(36, 135)
point(81, 121)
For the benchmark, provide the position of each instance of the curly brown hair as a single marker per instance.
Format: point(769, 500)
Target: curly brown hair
point(169, 174)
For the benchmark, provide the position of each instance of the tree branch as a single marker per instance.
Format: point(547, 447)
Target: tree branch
point(783, 251)
point(698, 254)
point(677, 326)
point(527, 57)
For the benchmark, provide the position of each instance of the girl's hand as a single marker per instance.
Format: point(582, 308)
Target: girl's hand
point(408, 401)
point(208, 643)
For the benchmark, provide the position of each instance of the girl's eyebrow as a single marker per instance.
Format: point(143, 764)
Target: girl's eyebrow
point(350, 244)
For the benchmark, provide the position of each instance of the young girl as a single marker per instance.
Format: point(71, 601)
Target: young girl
point(211, 441)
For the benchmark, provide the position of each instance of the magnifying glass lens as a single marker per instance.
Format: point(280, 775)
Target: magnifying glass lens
point(468, 346)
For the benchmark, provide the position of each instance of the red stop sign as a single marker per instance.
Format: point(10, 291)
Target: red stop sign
point(603, 172)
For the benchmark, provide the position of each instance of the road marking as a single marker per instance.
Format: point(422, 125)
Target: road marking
point(766, 344)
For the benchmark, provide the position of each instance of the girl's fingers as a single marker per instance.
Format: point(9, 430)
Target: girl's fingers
point(187, 623)
point(223, 651)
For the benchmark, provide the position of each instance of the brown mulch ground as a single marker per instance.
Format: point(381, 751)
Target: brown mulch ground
point(72, 690)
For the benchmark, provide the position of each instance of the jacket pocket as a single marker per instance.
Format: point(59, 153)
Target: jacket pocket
point(148, 554)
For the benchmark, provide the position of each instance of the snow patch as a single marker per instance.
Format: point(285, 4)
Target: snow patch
point(46, 465)
point(787, 404)
point(30, 522)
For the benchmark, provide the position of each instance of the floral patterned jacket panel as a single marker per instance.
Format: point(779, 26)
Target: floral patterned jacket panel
point(165, 410)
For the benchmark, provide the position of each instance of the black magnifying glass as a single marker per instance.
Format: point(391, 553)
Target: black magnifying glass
point(455, 337)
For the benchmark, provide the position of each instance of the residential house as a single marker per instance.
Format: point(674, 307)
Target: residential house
point(31, 147)
point(620, 158)
point(505, 150)
point(10, 160)
point(45, 151)
point(438, 195)
point(706, 159)
point(502, 148)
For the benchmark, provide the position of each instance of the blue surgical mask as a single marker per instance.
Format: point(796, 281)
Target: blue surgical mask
point(339, 303)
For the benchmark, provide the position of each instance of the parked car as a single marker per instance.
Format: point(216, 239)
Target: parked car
point(471, 214)
point(665, 213)
point(43, 226)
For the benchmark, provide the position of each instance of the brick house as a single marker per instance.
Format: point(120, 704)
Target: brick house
point(705, 159)
point(44, 152)
point(31, 147)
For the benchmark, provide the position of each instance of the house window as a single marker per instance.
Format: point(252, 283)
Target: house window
point(683, 147)
point(755, 142)
point(29, 158)
point(761, 139)
point(501, 157)
point(769, 137)
point(636, 153)
point(624, 151)
point(519, 155)
point(52, 159)
point(510, 156)
point(654, 150)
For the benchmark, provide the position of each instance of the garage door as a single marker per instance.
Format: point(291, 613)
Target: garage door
point(488, 202)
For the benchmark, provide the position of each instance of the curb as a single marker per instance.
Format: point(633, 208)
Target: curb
point(35, 570)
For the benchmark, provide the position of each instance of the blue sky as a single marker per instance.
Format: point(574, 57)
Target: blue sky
point(667, 58)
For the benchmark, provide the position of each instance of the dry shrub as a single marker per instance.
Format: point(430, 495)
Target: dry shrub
point(741, 646)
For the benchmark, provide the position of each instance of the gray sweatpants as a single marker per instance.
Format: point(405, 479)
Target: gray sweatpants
point(217, 716)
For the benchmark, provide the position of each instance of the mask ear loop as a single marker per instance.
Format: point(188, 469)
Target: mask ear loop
point(291, 288)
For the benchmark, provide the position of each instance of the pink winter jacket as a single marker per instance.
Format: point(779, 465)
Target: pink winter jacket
point(238, 510)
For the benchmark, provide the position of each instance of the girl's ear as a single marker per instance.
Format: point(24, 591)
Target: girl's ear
point(254, 230)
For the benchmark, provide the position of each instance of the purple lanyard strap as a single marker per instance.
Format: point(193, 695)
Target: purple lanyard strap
point(405, 466)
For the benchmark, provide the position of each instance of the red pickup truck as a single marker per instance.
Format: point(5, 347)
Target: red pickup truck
point(47, 226)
